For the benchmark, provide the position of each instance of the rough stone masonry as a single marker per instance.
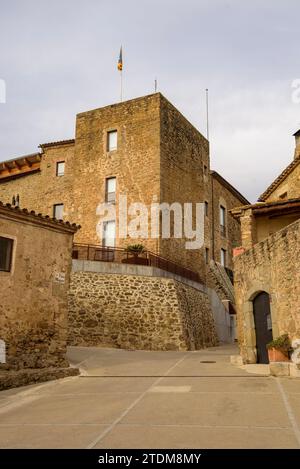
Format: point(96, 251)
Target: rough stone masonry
point(138, 312)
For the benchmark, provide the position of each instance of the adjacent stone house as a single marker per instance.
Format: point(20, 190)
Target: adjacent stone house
point(35, 267)
point(267, 267)
point(146, 150)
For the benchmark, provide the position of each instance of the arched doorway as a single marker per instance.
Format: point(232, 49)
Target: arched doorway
point(263, 325)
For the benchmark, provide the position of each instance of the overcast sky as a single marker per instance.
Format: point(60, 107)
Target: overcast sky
point(59, 58)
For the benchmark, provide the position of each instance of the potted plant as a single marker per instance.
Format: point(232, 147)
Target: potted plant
point(279, 349)
point(135, 251)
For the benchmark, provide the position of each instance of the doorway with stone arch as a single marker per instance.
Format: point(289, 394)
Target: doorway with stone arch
point(263, 325)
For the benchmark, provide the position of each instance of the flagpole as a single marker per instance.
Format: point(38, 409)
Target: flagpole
point(121, 85)
point(120, 68)
point(207, 123)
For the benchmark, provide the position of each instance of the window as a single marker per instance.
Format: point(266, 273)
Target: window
point(283, 196)
point(6, 249)
point(110, 190)
point(112, 140)
point(2, 351)
point(223, 220)
point(15, 200)
point(60, 168)
point(109, 233)
point(223, 257)
point(206, 255)
point(58, 211)
point(206, 208)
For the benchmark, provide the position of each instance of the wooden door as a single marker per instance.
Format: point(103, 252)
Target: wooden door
point(263, 325)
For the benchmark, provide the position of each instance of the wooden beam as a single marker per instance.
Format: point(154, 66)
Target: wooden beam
point(286, 213)
point(18, 173)
point(8, 168)
point(18, 165)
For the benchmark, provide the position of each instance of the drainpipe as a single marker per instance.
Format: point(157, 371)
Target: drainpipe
point(213, 218)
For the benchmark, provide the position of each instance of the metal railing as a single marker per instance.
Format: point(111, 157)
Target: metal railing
point(229, 272)
point(90, 252)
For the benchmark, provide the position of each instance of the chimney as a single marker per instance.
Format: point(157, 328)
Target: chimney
point(297, 142)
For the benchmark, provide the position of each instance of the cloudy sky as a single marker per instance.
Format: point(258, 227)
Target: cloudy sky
point(59, 58)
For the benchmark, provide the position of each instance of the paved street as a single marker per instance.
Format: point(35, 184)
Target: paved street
point(134, 399)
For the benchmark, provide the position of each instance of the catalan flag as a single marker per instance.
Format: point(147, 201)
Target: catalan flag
point(120, 61)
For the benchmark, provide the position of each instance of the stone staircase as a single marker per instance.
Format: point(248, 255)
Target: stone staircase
point(221, 281)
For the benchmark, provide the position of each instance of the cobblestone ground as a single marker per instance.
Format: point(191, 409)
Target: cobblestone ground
point(138, 399)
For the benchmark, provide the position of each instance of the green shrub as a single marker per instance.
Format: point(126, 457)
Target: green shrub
point(282, 343)
point(135, 248)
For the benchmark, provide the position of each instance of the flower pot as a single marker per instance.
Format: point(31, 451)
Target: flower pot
point(238, 251)
point(135, 260)
point(276, 355)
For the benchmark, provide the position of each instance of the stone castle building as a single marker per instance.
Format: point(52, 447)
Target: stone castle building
point(144, 149)
point(267, 269)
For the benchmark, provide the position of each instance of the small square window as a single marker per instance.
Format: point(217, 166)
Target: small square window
point(58, 211)
point(206, 255)
point(112, 140)
point(223, 257)
point(110, 190)
point(223, 220)
point(6, 249)
point(206, 208)
point(109, 234)
point(60, 168)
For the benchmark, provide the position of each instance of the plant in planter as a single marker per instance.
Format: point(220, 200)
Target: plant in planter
point(135, 251)
point(279, 349)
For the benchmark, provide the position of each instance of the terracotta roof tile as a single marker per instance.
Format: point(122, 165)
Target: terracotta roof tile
point(237, 212)
point(59, 142)
point(31, 213)
point(279, 179)
point(229, 186)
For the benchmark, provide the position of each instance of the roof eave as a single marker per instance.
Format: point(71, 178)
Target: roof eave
point(282, 176)
point(230, 187)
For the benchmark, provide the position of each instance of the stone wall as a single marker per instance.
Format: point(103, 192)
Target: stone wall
point(184, 178)
point(41, 190)
point(272, 266)
point(290, 185)
point(232, 238)
point(24, 377)
point(135, 163)
point(33, 307)
point(138, 312)
point(256, 226)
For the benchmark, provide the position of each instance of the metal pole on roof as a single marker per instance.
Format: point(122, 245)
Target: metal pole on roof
point(207, 122)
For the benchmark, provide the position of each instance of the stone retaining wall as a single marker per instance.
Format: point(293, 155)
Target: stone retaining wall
point(13, 379)
point(138, 312)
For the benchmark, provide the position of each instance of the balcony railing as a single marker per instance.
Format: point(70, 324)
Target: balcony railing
point(229, 272)
point(90, 252)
